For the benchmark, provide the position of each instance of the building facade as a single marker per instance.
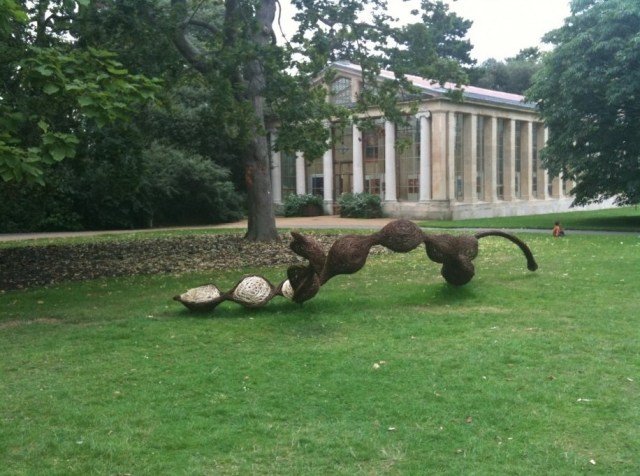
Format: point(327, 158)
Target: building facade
point(452, 160)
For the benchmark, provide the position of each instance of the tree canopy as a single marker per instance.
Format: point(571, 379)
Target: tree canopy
point(113, 147)
point(588, 91)
point(513, 75)
point(49, 88)
point(118, 87)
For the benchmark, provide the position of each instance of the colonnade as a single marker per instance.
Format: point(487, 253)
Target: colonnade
point(465, 157)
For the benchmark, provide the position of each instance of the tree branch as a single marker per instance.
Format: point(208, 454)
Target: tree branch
point(203, 24)
point(187, 49)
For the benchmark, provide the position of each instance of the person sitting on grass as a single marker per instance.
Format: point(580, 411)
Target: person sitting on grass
point(557, 230)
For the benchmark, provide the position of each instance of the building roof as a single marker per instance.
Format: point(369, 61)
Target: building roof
point(435, 89)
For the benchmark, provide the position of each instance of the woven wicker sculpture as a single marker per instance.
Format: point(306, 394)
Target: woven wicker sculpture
point(347, 255)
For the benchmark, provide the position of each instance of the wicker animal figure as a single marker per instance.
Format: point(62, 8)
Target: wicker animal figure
point(456, 254)
point(305, 282)
point(347, 255)
point(310, 249)
point(400, 236)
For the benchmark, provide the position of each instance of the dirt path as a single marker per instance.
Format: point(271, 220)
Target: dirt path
point(321, 222)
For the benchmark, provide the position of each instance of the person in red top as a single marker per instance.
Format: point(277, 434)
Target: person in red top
point(557, 230)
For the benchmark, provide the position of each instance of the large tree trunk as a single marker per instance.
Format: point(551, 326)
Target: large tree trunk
point(261, 219)
point(255, 160)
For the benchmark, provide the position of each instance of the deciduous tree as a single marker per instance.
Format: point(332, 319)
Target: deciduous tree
point(278, 84)
point(588, 93)
point(513, 75)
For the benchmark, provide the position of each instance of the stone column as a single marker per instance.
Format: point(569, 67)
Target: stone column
point(327, 178)
point(491, 160)
point(358, 168)
point(439, 155)
point(451, 157)
point(470, 159)
point(510, 160)
point(526, 162)
point(300, 174)
point(556, 188)
point(390, 194)
point(425, 157)
point(543, 176)
point(276, 172)
point(568, 186)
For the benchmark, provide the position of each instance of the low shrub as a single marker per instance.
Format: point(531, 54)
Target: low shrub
point(187, 189)
point(305, 205)
point(360, 205)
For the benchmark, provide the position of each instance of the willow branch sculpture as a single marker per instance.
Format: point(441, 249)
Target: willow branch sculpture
point(348, 255)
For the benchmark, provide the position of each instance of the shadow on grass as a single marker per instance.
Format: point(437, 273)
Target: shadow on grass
point(330, 304)
point(626, 223)
point(448, 294)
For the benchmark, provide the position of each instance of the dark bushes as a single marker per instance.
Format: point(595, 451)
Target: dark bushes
point(303, 205)
point(360, 205)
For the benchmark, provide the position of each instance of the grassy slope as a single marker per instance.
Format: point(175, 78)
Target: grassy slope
point(515, 373)
point(615, 219)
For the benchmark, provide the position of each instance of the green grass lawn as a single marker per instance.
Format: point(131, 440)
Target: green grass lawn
point(389, 371)
point(107, 236)
point(613, 219)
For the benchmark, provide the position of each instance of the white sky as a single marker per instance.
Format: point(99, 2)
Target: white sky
point(501, 28)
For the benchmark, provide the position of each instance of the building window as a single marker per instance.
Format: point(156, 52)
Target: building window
point(480, 141)
point(341, 91)
point(342, 161)
point(408, 160)
point(317, 185)
point(374, 185)
point(413, 186)
point(373, 141)
point(288, 166)
point(373, 154)
point(315, 181)
point(500, 160)
point(458, 154)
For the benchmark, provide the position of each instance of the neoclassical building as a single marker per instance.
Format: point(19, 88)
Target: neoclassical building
point(454, 159)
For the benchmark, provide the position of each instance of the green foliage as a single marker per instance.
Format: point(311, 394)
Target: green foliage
point(587, 93)
point(71, 70)
point(198, 118)
point(303, 205)
point(184, 189)
point(514, 75)
point(10, 13)
point(515, 373)
point(117, 187)
point(30, 207)
point(50, 88)
point(360, 205)
point(433, 46)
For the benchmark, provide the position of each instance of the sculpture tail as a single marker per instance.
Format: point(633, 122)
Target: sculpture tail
point(531, 262)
